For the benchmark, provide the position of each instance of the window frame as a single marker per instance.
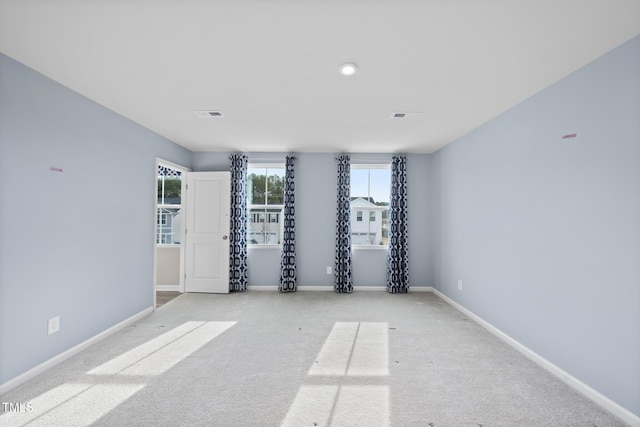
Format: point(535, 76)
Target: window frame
point(162, 206)
point(266, 214)
point(371, 166)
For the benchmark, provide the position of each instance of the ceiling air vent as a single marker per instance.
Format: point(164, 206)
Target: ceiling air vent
point(403, 115)
point(207, 113)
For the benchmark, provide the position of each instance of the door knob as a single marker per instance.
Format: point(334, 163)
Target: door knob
point(225, 237)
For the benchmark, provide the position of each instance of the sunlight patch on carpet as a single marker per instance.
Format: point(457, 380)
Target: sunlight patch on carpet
point(361, 405)
point(334, 354)
point(88, 406)
point(339, 406)
point(81, 404)
point(44, 403)
point(312, 406)
point(173, 353)
point(125, 360)
point(354, 349)
point(370, 356)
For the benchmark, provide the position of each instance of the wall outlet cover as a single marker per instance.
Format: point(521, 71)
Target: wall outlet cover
point(53, 325)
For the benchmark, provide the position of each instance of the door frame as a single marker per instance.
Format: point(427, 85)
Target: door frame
point(160, 161)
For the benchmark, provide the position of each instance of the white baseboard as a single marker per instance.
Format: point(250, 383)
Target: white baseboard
point(331, 289)
point(44, 366)
point(421, 289)
point(597, 397)
point(368, 288)
point(299, 288)
point(262, 288)
point(316, 288)
point(168, 288)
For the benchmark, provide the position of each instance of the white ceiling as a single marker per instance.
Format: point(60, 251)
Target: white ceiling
point(271, 66)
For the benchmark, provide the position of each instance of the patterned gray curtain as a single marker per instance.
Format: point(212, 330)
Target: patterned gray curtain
point(398, 253)
point(288, 255)
point(343, 280)
point(238, 231)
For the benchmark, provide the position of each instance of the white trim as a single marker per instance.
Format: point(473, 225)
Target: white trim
point(369, 288)
point(370, 247)
point(331, 288)
point(155, 231)
point(172, 165)
point(168, 288)
point(253, 246)
point(420, 289)
point(183, 193)
point(381, 165)
point(183, 232)
point(316, 288)
point(44, 366)
point(299, 288)
point(252, 164)
point(597, 397)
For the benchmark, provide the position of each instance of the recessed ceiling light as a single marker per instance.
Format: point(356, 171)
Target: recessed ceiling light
point(207, 113)
point(405, 115)
point(348, 69)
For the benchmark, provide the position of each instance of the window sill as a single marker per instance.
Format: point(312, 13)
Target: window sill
point(264, 247)
point(369, 247)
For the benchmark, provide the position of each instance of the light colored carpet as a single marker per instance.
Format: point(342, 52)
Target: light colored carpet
point(163, 297)
point(302, 359)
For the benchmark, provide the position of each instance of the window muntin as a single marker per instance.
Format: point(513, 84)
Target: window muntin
point(370, 187)
point(265, 202)
point(169, 218)
point(162, 218)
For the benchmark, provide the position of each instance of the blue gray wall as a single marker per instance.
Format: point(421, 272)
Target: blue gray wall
point(77, 243)
point(316, 218)
point(544, 232)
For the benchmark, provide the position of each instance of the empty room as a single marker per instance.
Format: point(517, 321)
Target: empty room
point(320, 213)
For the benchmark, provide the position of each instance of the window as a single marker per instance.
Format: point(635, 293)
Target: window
point(162, 218)
point(265, 201)
point(370, 187)
point(168, 221)
point(256, 217)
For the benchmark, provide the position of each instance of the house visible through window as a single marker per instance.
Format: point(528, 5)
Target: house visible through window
point(265, 201)
point(370, 186)
point(169, 218)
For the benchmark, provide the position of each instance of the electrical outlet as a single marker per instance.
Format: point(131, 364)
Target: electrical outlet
point(53, 325)
point(329, 270)
point(459, 285)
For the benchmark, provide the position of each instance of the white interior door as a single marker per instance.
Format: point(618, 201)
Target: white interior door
point(207, 232)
